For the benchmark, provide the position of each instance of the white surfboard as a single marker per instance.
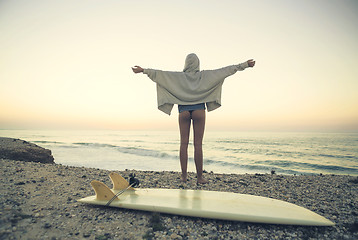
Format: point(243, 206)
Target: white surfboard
point(205, 204)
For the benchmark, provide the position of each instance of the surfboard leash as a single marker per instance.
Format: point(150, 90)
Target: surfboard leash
point(133, 182)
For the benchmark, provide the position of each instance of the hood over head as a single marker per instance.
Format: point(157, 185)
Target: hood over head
point(192, 63)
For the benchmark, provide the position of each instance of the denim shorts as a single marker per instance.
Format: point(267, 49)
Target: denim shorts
point(189, 108)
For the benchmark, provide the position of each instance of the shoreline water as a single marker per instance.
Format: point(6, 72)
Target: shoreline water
point(224, 152)
point(38, 201)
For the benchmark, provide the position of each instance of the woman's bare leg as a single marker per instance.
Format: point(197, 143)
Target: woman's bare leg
point(199, 127)
point(184, 127)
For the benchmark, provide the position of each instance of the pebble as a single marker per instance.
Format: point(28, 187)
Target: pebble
point(175, 236)
point(47, 225)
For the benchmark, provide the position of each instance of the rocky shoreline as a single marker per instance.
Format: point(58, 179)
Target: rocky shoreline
point(38, 201)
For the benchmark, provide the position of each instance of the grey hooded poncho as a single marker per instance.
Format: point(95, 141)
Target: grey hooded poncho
point(191, 86)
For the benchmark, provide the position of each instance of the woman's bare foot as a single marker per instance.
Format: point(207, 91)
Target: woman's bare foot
point(202, 181)
point(184, 178)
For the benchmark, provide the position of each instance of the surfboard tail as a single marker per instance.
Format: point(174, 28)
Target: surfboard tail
point(119, 183)
point(103, 193)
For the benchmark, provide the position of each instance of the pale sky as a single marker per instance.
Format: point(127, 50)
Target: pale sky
point(67, 63)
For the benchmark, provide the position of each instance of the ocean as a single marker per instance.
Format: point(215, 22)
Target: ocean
point(224, 152)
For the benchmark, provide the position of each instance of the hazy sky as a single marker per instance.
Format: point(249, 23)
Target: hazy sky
point(68, 62)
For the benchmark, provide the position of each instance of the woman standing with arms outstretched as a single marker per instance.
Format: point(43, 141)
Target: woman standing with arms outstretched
point(191, 89)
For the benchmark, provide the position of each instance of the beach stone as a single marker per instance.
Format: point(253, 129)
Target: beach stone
point(87, 234)
point(175, 236)
point(47, 225)
point(20, 150)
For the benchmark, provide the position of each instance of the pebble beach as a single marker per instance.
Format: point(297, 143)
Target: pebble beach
point(39, 201)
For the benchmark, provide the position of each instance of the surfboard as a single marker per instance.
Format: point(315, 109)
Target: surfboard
point(204, 204)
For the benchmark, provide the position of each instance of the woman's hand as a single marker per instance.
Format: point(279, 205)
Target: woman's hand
point(137, 69)
point(251, 63)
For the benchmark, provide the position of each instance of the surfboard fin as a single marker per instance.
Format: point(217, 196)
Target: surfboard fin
point(119, 183)
point(103, 193)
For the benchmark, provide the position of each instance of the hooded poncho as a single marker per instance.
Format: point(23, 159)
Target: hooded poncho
point(191, 86)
